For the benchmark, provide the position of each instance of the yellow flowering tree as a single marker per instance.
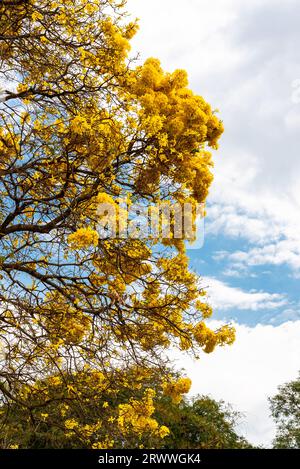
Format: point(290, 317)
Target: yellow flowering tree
point(90, 409)
point(159, 416)
point(81, 125)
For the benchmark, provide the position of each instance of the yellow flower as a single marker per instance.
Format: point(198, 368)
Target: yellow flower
point(79, 124)
point(36, 16)
point(70, 424)
point(136, 416)
point(83, 238)
point(55, 380)
point(175, 389)
point(106, 443)
point(90, 9)
point(163, 431)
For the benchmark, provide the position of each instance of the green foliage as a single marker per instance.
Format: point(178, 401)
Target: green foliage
point(200, 423)
point(285, 408)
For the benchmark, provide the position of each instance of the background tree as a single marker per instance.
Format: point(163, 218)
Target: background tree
point(201, 423)
point(285, 408)
point(80, 126)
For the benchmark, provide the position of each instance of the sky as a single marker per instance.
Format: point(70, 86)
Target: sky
point(244, 59)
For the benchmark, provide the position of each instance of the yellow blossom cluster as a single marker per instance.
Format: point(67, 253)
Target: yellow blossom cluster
point(175, 389)
point(83, 238)
point(209, 339)
point(136, 417)
point(98, 423)
point(180, 124)
point(79, 125)
point(66, 324)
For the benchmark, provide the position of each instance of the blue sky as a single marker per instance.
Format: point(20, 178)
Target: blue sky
point(243, 58)
point(273, 290)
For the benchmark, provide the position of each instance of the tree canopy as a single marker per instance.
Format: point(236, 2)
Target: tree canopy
point(285, 408)
point(200, 423)
point(81, 124)
point(179, 423)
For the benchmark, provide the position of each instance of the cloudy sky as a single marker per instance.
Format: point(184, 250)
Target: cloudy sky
point(243, 57)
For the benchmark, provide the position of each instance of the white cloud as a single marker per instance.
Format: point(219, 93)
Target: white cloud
point(282, 252)
point(235, 222)
point(249, 372)
point(224, 297)
point(292, 120)
point(176, 34)
point(237, 60)
point(289, 314)
point(270, 223)
point(231, 273)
